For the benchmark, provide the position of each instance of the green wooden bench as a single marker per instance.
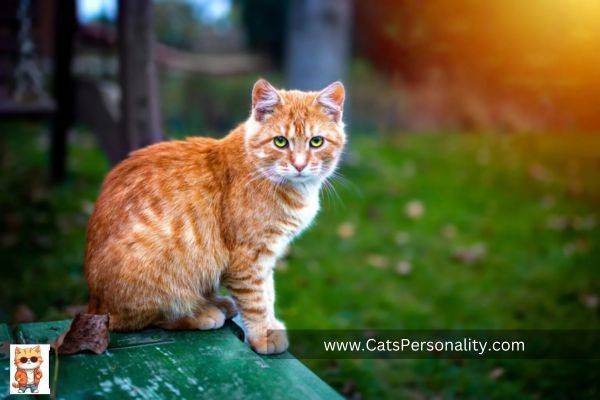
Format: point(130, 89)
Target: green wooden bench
point(154, 364)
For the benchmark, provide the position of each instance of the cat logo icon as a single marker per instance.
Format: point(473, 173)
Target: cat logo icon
point(29, 370)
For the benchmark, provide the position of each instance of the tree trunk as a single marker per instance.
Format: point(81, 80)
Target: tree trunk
point(318, 42)
point(140, 114)
point(66, 24)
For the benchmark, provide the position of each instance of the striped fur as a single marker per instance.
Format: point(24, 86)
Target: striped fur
point(176, 220)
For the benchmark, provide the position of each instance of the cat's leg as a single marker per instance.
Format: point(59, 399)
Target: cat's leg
point(270, 293)
point(208, 317)
point(252, 290)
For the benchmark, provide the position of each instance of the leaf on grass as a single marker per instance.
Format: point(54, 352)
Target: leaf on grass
point(87, 332)
point(345, 230)
point(377, 261)
point(404, 267)
point(414, 209)
point(449, 231)
point(589, 300)
point(470, 255)
point(496, 373)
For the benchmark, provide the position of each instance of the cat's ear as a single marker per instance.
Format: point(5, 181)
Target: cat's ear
point(36, 349)
point(332, 100)
point(264, 99)
point(17, 350)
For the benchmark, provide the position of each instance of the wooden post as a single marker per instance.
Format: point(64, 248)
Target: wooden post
point(318, 42)
point(140, 114)
point(63, 86)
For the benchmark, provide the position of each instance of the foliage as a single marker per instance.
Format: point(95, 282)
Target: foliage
point(389, 253)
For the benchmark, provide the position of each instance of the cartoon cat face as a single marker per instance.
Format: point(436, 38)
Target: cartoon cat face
point(28, 357)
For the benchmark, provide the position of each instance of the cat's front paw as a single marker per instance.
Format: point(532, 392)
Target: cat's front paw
point(274, 342)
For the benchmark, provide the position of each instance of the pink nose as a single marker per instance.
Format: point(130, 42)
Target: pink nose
point(299, 167)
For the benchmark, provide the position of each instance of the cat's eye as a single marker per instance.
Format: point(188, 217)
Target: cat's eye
point(23, 360)
point(317, 141)
point(280, 141)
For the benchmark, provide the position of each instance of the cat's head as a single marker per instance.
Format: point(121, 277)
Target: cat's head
point(28, 357)
point(294, 136)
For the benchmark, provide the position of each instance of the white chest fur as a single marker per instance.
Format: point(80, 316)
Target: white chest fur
point(302, 218)
point(305, 215)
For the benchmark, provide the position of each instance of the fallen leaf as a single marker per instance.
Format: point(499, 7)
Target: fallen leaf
point(350, 390)
point(377, 261)
point(23, 314)
point(404, 267)
point(87, 332)
point(589, 300)
point(414, 209)
point(449, 231)
point(496, 373)
point(470, 255)
point(345, 230)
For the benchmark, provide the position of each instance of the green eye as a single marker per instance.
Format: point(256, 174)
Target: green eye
point(316, 141)
point(280, 141)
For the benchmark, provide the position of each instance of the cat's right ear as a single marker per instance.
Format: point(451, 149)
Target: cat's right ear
point(264, 99)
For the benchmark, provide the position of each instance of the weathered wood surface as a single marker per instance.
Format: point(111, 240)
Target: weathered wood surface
point(155, 364)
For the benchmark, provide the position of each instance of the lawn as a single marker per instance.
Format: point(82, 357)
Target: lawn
point(424, 231)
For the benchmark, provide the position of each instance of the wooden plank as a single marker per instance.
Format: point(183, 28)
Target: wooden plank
point(37, 110)
point(155, 364)
point(5, 340)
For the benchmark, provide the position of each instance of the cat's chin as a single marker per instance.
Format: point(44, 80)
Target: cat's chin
point(302, 180)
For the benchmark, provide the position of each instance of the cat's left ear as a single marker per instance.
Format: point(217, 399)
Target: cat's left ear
point(332, 100)
point(264, 99)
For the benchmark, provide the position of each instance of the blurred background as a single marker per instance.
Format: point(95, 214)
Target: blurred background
point(470, 190)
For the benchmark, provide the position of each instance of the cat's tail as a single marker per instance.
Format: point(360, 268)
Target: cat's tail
point(15, 385)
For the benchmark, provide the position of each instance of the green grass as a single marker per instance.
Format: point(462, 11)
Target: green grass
point(493, 194)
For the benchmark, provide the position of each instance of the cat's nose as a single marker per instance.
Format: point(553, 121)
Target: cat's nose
point(299, 166)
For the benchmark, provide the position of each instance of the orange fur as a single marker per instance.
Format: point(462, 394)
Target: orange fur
point(177, 219)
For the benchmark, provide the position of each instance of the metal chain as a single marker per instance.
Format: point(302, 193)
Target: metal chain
point(28, 77)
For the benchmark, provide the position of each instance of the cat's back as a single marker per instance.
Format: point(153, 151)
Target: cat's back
point(154, 181)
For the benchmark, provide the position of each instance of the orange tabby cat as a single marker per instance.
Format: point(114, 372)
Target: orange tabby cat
point(177, 219)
